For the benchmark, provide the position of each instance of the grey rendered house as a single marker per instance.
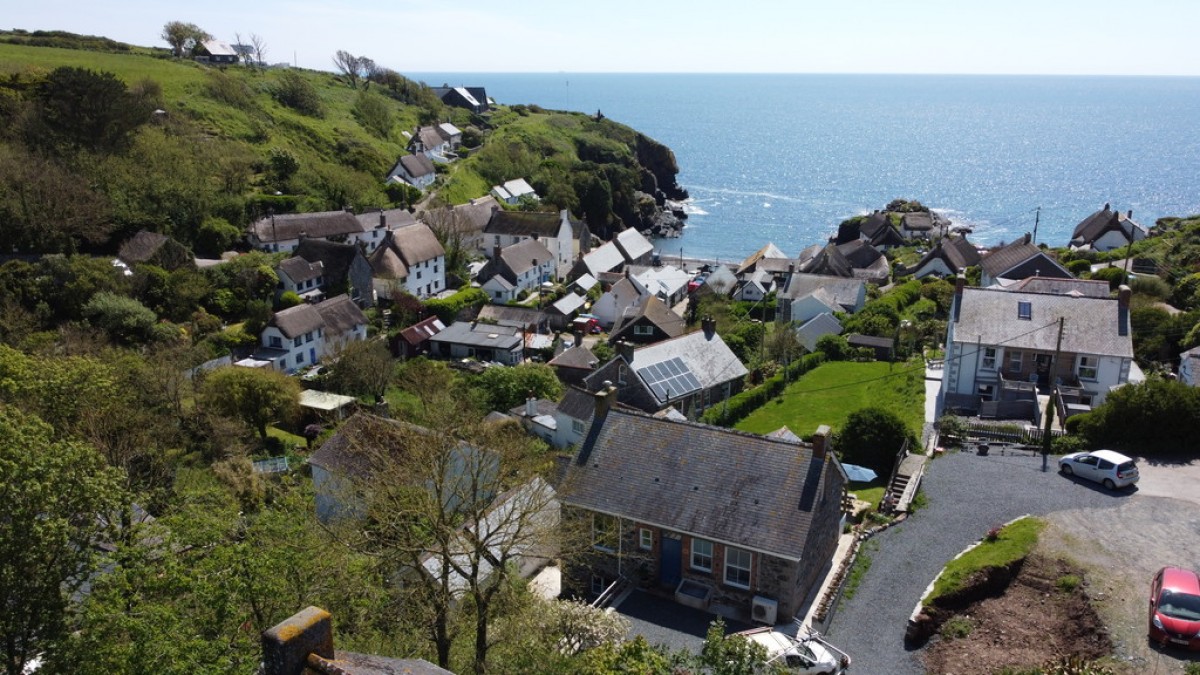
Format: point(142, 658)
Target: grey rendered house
point(715, 518)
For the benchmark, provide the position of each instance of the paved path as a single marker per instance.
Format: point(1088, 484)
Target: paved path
point(967, 495)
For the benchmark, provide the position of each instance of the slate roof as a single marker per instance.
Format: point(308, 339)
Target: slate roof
point(1097, 224)
point(870, 341)
point(585, 282)
point(656, 312)
point(1093, 324)
point(1001, 260)
point(577, 404)
point(299, 270)
point(578, 357)
point(296, 321)
point(290, 225)
point(605, 258)
point(340, 314)
point(667, 280)
point(218, 48)
point(1090, 288)
point(480, 335)
point(816, 328)
point(517, 187)
point(727, 486)
point(844, 291)
point(448, 130)
point(422, 330)
point(708, 358)
point(633, 244)
point(569, 304)
point(521, 317)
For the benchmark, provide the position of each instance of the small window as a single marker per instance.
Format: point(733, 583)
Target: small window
point(1087, 367)
point(737, 567)
point(300, 358)
point(989, 358)
point(283, 363)
point(276, 342)
point(599, 583)
point(605, 532)
point(418, 274)
point(1014, 362)
point(702, 552)
point(308, 337)
point(1024, 311)
point(641, 329)
point(577, 426)
point(299, 340)
point(645, 538)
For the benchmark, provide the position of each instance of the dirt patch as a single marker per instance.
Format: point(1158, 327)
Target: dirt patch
point(1044, 614)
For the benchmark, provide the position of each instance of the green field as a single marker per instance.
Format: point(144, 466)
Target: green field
point(1013, 542)
point(828, 394)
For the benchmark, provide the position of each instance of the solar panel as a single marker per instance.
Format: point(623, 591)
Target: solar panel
point(669, 379)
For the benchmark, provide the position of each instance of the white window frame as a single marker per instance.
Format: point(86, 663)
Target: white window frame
point(645, 538)
point(642, 329)
point(735, 565)
point(1024, 310)
point(989, 358)
point(1015, 358)
point(1089, 367)
point(697, 558)
point(577, 426)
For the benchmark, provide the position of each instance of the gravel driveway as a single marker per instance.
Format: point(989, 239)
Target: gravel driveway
point(967, 494)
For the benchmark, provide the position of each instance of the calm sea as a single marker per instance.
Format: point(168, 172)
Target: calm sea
point(785, 158)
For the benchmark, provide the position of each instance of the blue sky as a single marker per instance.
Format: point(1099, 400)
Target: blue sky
point(1091, 37)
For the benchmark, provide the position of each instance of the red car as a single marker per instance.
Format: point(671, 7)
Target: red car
point(1175, 608)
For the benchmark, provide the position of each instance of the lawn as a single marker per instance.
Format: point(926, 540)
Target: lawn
point(829, 393)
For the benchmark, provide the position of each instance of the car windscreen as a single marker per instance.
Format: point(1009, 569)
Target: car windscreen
point(1180, 606)
point(1126, 466)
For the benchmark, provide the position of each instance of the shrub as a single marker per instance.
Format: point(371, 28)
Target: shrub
point(448, 309)
point(1152, 286)
point(296, 92)
point(1067, 583)
point(1115, 276)
point(289, 299)
point(122, 317)
point(1065, 445)
point(1079, 267)
point(834, 347)
point(871, 438)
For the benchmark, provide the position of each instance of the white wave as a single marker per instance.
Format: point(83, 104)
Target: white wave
point(694, 210)
point(747, 193)
point(766, 205)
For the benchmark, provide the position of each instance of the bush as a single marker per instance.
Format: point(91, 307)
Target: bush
point(1152, 286)
point(1115, 276)
point(834, 347)
point(216, 236)
point(289, 299)
point(1156, 416)
point(296, 92)
point(1079, 267)
point(872, 437)
point(1065, 445)
point(448, 309)
point(956, 627)
point(122, 317)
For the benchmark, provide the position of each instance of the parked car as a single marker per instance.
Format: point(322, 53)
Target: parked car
point(1111, 469)
point(1175, 608)
point(810, 655)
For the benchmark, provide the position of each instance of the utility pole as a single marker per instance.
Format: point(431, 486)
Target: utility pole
point(1037, 217)
point(1050, 403)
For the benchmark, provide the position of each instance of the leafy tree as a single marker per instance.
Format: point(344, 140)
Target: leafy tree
point(183, 36)
point(122, 317)
point(363, 368)
point(216, 236)
point(47, 209)
point(834, 347)
point(283, 164)
point(872, 437)
point(58, 497)
point(505, 388)
point(1156, 416)
point(256, 396)
point(91, 110)
point(1115, 276)
point(733, 655)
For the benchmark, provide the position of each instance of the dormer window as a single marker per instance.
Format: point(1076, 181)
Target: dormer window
point(1024, 311)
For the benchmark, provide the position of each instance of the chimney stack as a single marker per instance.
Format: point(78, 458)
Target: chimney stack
point(382, 219)
point(530, 405)
point(1129, 213)
point(820, 442)
point(287, 645)
point(1106, 206)
point(496, 252)
point(960, 282)
point(604, 399)
point(578, 337)
point(625, 349)
point(1123, 295)
point(709, 326)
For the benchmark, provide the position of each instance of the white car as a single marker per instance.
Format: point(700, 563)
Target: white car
point(810, 655)
point(1111, 469)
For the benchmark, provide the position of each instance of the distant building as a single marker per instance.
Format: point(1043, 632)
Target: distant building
point(1106, 230)
point(215, 51)
point(303, 335)
point(512, 191)
point(474, 99)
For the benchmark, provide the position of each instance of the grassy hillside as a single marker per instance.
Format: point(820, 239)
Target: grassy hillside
point(228, 148)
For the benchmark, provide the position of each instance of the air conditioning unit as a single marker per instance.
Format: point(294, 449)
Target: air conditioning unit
point(764, 610)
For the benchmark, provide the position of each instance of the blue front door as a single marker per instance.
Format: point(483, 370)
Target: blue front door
point(670, 563)
point(312, 355)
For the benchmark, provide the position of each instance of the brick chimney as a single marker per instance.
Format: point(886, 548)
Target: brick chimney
point(382, 219)
point(286, 645)
point(820, 442)
point(496, 252)
point(604, 399)
point(1123, 295)
point(709, 326)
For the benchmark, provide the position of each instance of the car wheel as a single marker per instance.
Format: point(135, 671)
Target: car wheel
point(1066, 469)
point(1109, 484)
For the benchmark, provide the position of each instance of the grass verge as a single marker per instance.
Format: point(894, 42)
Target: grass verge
point(859, 569)
point(1012, 542)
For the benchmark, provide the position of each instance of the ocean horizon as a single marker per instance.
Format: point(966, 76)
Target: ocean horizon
point(786, 157)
